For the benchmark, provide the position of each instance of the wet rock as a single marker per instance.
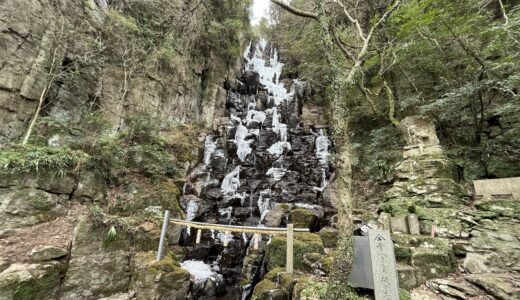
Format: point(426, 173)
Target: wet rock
point(251, 82)
point(45, 253)
point(194, 206)
point(274, 218)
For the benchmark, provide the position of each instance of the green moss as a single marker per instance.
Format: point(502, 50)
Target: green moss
point(402, 254)
point(17, 159)
point(273, 274)
point(327, 264)
point(314, 290)
point(507, 208)
point(302, 218)
point(261, 288)
point(37, 287)
point(303, 243)
point(404, 294)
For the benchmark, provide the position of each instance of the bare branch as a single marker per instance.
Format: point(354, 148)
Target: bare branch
point(502, 8)
point(355, 21)
point(295, 11)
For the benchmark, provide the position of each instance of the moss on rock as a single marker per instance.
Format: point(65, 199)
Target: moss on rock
point(329, 237)
point(303, 243)
point(261, 288)
point(302, 218)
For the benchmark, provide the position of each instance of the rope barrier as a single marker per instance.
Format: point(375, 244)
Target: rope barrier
point(238, 229)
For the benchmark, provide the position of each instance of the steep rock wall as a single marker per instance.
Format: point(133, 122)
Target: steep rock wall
point(106, 57)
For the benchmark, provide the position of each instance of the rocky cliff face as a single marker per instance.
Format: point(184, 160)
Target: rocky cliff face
point(122, 58)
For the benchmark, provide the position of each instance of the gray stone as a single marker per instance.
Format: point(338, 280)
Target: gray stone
point(399, 224)
point(413, 224)
point(475, 263)
point(384, 221)
point(48, 252)
point(423, 295)
point(30, 281)
point(501, 286)
point(98, 274)
point(273, 218)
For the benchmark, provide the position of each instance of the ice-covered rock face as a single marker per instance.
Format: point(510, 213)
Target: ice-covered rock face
point(262, 158)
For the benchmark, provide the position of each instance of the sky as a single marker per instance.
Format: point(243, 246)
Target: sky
point(260, 9)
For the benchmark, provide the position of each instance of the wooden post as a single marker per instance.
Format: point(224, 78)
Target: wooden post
point(199, 233)
point(163, 234)
point(256, 238)
point(226, 238)
point(290, 242)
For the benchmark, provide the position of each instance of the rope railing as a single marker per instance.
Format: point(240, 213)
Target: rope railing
point(238, 229)
point(227, 229)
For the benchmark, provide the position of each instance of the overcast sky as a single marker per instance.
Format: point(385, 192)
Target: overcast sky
point(260, 9)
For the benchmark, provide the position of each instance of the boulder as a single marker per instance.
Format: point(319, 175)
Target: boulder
point(99, 274)
point(31, 281)
point(501, 286)
point(48, 252)
point(274, 218)
point(303, 218)
point(156, 280)
point(27, 207)
point(329, 237)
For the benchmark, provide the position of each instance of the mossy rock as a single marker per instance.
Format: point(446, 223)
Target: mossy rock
point(303, 243)
point(311, 290)
point(431, 263)
point(303, 218)
point(327, 264)
point(420, 241)
point(262, 288)
point(30, 281)
point(273, 274)
point(506, 208)
point(162, 279)
point(329, 237)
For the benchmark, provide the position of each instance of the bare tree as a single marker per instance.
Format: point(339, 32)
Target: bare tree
point(338, 281)
point(52, 75)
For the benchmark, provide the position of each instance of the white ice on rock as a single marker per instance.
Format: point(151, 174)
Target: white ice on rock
point(277, 173)
point(231, 183)
point(199, 271)
point(322, 147)
point(278, 148)
point(209, 147)
point(226, 212)
point(264, 203)
point(243, 145)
